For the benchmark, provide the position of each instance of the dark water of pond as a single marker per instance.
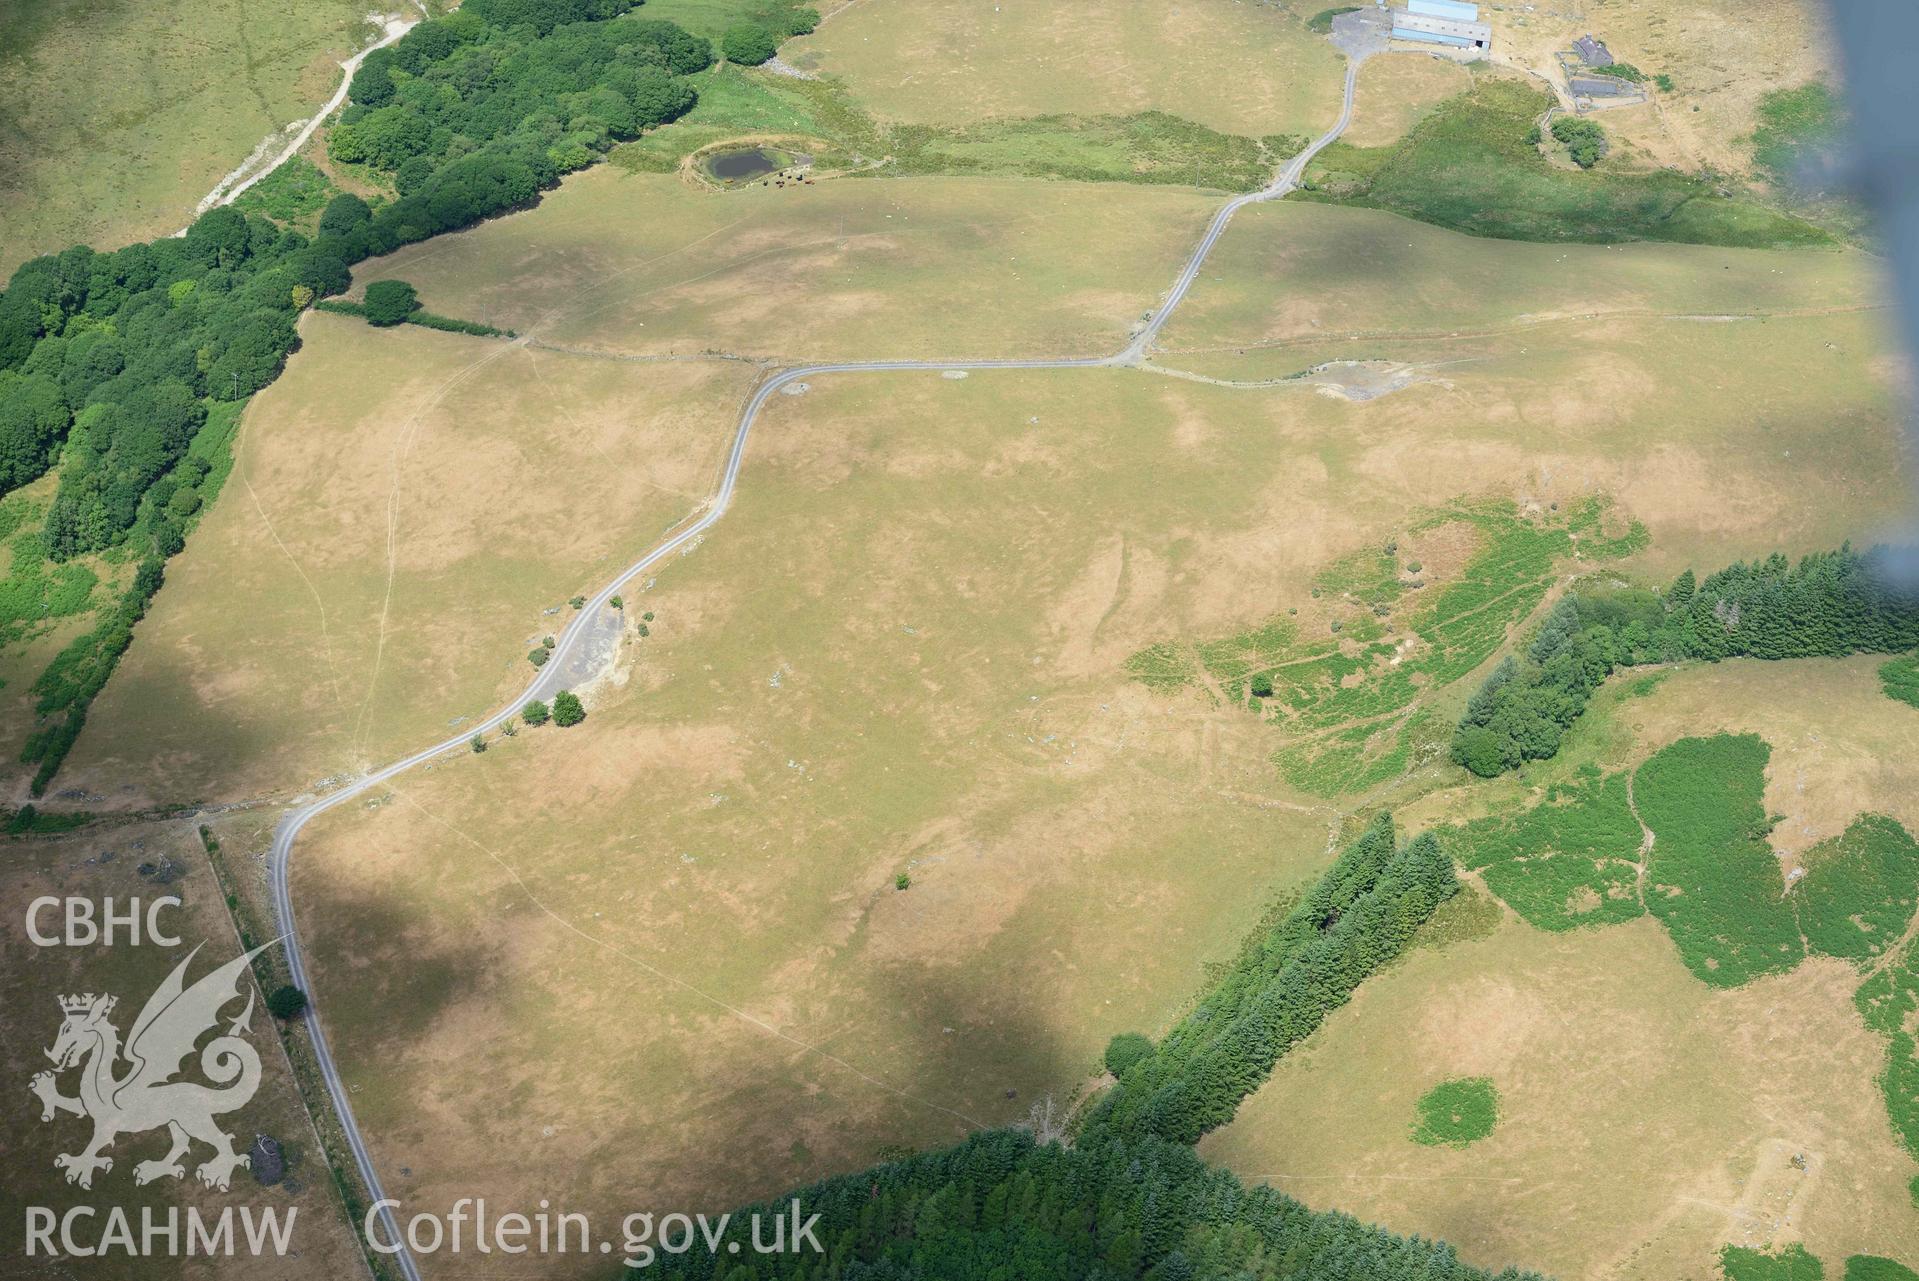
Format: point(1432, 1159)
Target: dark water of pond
point(736, 166)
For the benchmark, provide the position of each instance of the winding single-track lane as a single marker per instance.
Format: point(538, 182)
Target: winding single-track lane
point(548, 682)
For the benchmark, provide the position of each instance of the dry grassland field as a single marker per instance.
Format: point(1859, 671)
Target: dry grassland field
point(905, 651)
point(144, 861)
point(1646, 1119)
point(1396, 90)
point(1290, 273)
point(1239, 66)
point(984, 714)
point(115, 121)
point(408, 513)
point(925, 267)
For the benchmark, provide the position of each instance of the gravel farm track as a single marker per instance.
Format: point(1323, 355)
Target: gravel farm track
point(1356, 40)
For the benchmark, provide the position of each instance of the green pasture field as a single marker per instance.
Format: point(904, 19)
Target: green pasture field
point(113, 125)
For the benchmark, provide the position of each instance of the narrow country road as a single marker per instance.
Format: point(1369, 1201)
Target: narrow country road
point(548, 682)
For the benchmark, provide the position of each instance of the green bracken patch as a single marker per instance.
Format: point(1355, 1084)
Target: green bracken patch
point(1889, 1002)
point(1469, 166)
point(1456, 1113)
point(1740, 1263)
point(36, 592)
point(1568, 862)
point(1860, 889)
point(1712, 877)
point(1900, 677)
point(1794, 124)
point(292, 195)
point(1870, 1267)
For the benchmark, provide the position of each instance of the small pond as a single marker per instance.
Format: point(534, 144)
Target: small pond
point(742, 166)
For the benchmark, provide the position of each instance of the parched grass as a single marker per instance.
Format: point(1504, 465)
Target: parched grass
point(1712, 877)
point(1609, 1056)
point(935, 267)
point(1900, 677)
point(1792, 1263)
point(1235, 67)
point(1456, 1113)
point(278, 600)
point(1570, 861)
point(1469, 166)
point(1860, 890)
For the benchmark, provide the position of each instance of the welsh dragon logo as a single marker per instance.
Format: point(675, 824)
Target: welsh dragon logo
point(143, 1095)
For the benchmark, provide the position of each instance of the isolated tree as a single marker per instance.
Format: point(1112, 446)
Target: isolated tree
point(536, 713)
point(286, 1002)
point(390, 302)
point(478, 742)
point(747, 43)
point(567, 709)
point(1262, 686)
point(537, 656)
